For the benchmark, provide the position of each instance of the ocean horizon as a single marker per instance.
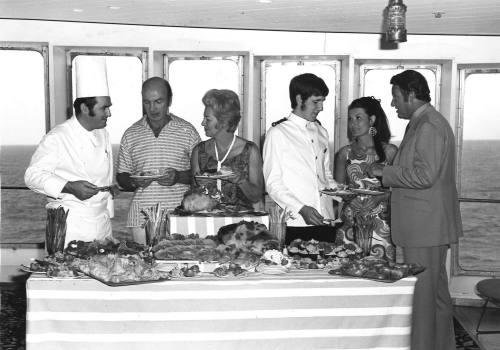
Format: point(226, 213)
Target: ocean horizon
point(23, 211)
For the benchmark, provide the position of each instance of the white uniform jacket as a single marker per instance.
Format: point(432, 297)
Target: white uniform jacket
point(69, 153)
point(297, 167)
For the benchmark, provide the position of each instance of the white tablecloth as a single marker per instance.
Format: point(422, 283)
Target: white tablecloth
point(299, 310)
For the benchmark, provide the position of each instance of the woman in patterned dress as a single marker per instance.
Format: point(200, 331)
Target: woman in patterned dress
point(369, 134)
point(226, 150)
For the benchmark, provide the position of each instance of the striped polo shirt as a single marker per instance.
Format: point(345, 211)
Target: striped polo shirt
point(141, 151)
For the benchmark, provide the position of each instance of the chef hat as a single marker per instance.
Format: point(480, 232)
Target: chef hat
point(91, 76)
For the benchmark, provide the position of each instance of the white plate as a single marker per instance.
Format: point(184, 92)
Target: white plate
point(168, 265)
point(25, 268)
point(365, 191)
point(214, 176)
point(271, 269)
point(145, 177)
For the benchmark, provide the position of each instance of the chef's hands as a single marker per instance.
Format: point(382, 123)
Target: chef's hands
point(81, 189)
point(311, 216)
point(114, 190)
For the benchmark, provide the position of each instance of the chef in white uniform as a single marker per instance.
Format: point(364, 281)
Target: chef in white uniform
point(73, 164)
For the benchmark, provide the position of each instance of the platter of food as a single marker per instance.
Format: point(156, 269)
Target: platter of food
point(375, 269)
point(336, 192)
point(128, 282)
point(214, 176)
point(25, 268)
point(150, 174)
point(367, 191)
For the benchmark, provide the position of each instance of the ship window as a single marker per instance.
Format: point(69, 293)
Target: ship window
point(23, 123)
point(376, 82)
point(478, 143)
point(125, 74)
point(124, 83)
point(276, 76)
point(191, 76)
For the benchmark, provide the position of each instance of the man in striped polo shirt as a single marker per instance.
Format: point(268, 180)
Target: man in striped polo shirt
point(159, 141)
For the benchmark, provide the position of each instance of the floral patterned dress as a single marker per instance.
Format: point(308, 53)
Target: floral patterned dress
point(231, 193)
point(366, 215)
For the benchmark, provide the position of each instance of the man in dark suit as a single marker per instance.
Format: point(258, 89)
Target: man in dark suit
point(425, 214)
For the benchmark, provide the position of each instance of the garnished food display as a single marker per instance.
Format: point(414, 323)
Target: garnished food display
point(376, 269)
point(238, 250)
point(200, 201)
point(197, 200)
point(114, 268)
point(223, 173)
point(55, 229)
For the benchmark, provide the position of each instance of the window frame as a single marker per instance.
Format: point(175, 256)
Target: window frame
point(72, 52)
point(239, 57)
point(337, 62)
point(364, 68)
point(463, 71)
point(43, 49)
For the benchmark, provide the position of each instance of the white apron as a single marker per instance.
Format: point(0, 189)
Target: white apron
point(92, 161)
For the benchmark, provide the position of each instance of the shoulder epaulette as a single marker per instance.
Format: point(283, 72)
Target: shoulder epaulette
point(278, 121)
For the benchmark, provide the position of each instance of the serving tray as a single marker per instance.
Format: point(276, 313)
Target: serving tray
point(127, 283)
point(414, 270)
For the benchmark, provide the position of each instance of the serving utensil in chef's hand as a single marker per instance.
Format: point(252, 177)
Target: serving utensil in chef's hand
point(113, 189)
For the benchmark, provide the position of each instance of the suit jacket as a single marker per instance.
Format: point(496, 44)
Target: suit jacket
point(424, 202)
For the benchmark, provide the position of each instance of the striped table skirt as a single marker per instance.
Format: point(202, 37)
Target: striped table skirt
point(208, 225)
point(306, 309)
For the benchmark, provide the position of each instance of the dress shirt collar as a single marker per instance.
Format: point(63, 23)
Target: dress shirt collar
point(416, 115)
point(173, 121)
point(419, 111)
point(91, 135)
point(300, 121)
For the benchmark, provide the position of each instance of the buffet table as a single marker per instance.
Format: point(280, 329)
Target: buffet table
point(304, 309)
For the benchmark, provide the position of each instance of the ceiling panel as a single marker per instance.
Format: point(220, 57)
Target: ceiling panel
point(458, 17)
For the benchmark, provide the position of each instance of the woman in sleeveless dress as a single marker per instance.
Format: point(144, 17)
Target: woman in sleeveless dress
point(369, 134)
point(226, 150)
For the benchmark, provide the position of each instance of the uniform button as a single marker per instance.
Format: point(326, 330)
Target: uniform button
point(316, 157)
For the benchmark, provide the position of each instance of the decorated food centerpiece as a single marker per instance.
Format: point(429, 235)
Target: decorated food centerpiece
point(238, 250)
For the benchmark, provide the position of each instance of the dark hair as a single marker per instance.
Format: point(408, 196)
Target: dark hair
point(372, 106)
point(226, 106)
point(90, 102)
point(306, 85)
point(161, 81)
point(409, 81)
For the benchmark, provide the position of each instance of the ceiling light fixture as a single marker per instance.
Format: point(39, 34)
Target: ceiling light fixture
point(396, 21)
point(77, 10)
point(114, 7)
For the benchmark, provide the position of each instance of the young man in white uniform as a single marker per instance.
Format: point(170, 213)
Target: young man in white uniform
point(297, 162)
point(74, 160)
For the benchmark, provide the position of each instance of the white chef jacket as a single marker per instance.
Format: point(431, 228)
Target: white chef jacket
point(69, 152)
point(297, 167)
